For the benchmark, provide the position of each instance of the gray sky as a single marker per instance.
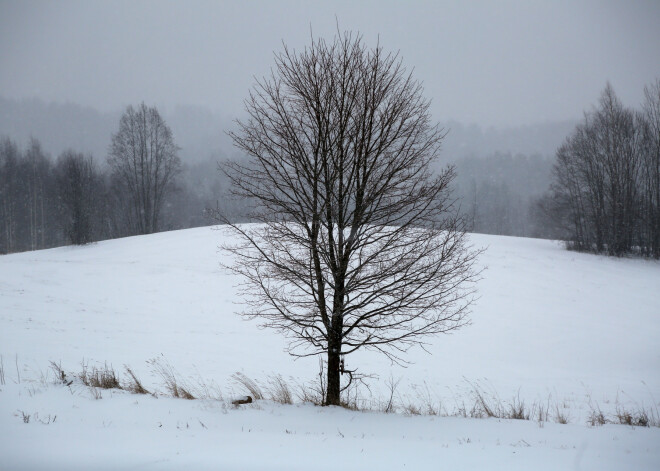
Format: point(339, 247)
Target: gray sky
point(499, 63)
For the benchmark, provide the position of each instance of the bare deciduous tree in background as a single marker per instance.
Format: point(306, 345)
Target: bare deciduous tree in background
point(79, 189)
point(359, 245)
point(9, 192)
point(144, 159)
point(607, 179)
point(650, 186)
point(36, 169)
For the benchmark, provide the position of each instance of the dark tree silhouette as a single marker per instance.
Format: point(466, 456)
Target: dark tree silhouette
point(359, 245)
point(36, 168)
point(9, 194)
point(79, 190)
point(650, 184)
point(144, 159)
point(606, 193)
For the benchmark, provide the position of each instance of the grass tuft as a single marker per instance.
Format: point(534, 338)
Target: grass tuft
point(24, 416)
point(596, 417)
point(251, 386)
point(102, 378)
point(278, 390)
point(639, 418)
point(60, 375)
point(517, 410)
point(168, 374)
point(560, 417)
point(134, 385)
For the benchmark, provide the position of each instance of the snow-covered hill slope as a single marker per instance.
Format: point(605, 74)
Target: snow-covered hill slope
point(550, 326)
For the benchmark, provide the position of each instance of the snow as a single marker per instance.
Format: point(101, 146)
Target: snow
point(550, 326)
point(122, 431)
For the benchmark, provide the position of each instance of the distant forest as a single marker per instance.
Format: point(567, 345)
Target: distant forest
point(501, 174)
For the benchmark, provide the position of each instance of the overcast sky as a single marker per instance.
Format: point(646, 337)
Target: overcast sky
point(492, 63)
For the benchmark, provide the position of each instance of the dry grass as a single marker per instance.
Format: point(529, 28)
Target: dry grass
point(102, 378)
point(24, 416)
point(351, 397)
point(638, 418)
point(18, 371)
point(307, 393)
point(95, 393)
point(388, 406)
point(482, 402)
point(175, 386)
point(561, 417)
point(596, 418)
point(411, 409)
point(487, 404)
point(425, 398)
point(278, 390)
point(351, 402)
point(205, 390)
point(250, 386)
point(60, 375)
point(314, 392)
point(516, 409)
point(484, 406)
point(134, 385)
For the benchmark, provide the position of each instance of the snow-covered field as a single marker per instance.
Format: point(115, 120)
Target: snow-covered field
point(573, 331)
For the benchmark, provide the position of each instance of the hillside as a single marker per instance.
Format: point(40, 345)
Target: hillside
point(571, 330)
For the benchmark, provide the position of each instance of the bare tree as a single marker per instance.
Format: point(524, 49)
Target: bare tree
point(79, 191)
point(144, 159)
point(358, 244)
point(9, 190)
point(28, 209)
point(36, 168)
point(597, 177)
point(650, 184)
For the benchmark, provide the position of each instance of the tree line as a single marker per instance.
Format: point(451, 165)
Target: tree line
point(605, 197)
point(499, 173)
point(497, 194)
point(77, 199)
point(598, 201)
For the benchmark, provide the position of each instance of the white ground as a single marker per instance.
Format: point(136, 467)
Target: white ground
point(551, 327)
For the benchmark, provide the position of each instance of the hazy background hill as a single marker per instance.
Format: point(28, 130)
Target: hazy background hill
point(501, 172)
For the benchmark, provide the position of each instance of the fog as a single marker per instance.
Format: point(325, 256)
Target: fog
point(498, 64)
point(508, 80)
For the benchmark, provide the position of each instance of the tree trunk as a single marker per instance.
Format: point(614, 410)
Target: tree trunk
point(335, 341)
point(334, 387)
